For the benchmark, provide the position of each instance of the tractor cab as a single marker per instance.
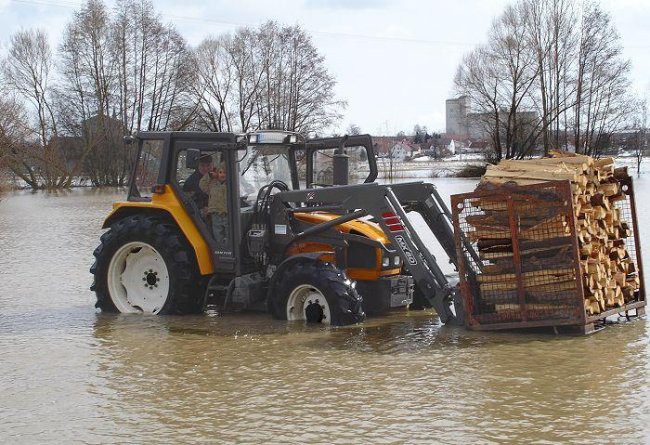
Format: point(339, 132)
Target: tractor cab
point(253, 165)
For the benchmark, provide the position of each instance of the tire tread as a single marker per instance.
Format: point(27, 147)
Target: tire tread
point(169, 240)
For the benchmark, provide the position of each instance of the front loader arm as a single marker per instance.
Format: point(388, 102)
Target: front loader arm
point(424, 199)
point(384, 204)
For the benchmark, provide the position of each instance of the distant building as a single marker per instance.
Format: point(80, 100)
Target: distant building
point(462, 124)
point(399, 152)
point(383, 144)
point(456, 111)
point(478, 146)
point(446, 145)
point(452, 147)
point(481, 125)
point(403, 150)
point(395, 147)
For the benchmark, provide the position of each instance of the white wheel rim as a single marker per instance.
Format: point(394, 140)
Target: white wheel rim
point(303, 296)
point(138, 280)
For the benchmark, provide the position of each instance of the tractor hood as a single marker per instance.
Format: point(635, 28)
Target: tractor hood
point(358, 226)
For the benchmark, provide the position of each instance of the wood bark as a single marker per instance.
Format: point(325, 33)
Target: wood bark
point(544, 229)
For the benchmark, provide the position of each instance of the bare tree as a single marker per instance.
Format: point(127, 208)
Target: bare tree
point(477, 80)
point(16, 150)
point(87, 92)
point(229, 73)
point(602, 100)
point(298, 93)
point(121, 73)
point(353, 129)
point(545, 74)
point(214, 84)
point(124, 70)
point(271, 77)
point(552, 38)
point(509, 51)
point(154, 71)
point(501, 78)
point(27, 71)
point(638, 141)
point(243, 52)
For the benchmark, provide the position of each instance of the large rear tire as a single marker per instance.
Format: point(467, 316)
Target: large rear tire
point(144, 265)
point(316, 292)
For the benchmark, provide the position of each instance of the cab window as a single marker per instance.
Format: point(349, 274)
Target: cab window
point(147, 169)
point(323, 161)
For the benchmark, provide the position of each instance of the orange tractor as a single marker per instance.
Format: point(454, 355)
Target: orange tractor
point(268, 220)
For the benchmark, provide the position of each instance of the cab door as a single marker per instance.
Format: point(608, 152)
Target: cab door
point(321, 160)
point(208, 199)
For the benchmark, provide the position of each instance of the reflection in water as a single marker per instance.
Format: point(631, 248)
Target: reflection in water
point(70, 374)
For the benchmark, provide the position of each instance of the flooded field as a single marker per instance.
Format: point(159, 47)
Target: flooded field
point(69, 374)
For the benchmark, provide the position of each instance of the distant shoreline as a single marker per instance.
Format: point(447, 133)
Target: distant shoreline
point(460, 166)
point(457, 166)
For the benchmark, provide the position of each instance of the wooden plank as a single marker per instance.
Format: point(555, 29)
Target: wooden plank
point(557, 175)
point(603, 162)
point(546, 164)
point(609, 189)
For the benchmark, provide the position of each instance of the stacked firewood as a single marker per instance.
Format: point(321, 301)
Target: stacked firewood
point(609, 273)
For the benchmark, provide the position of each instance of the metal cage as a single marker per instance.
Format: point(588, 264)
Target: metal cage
point(528, 272)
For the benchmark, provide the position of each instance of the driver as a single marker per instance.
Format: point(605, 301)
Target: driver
point(191, 186)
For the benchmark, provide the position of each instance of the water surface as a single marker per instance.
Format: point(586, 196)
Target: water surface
point(69, 374)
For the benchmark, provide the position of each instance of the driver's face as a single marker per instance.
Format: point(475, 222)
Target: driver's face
point(204, 168)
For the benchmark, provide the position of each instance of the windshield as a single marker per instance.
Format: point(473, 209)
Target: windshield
point(261, 165)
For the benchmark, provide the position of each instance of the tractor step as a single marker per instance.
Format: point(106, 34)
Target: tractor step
point(215, 294)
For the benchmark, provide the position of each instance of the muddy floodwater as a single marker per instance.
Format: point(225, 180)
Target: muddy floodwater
point(69, 374)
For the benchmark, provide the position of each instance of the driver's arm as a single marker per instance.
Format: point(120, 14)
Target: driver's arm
point(191, 184)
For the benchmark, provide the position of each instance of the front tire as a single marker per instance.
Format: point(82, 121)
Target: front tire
point(316, 292)
point(145, 265)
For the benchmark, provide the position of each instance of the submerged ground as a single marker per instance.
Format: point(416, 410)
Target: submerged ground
point(71, 375)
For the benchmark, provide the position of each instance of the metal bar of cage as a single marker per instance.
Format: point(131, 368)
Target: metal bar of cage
point(516, 259)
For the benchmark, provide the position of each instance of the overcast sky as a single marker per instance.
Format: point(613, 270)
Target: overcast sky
point(394, 60)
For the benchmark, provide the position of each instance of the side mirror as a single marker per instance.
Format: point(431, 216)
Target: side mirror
point(192, 158)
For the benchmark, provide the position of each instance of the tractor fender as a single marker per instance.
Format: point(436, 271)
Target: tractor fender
point(287, 263)
point(170, 207)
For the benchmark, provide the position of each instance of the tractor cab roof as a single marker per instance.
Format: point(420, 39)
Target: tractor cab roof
point(232, 140)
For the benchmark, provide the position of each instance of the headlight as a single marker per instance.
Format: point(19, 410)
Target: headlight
point(397, 260)
point(385, 262)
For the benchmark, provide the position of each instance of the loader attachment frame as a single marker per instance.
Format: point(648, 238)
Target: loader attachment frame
point(388, 206)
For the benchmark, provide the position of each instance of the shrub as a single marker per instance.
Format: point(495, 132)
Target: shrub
point(472, 171)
